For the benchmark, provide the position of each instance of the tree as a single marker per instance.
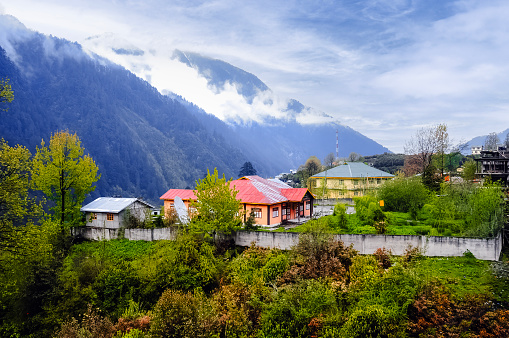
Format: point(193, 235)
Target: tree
point(6, 94)
point(427, 142)
point(506, 142)
point(491, 142)
point(313, 165)
point(354, 157)
point(469, 170)
point(247, 170)
point(16, 207)
point(65, 175)
point(217, 208)
point(329, 160)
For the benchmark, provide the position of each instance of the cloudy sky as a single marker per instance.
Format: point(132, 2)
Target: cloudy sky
point(383, 67)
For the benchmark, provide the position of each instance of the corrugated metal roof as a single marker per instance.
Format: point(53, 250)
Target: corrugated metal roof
point(252, 189)
point(184, 194)
point(111, 204)
point(353, 170)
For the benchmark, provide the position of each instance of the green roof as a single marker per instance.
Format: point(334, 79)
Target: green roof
point(353, 170)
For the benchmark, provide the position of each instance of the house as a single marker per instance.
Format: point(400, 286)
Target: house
point(271, 201)
point(348, 180)
point(476, 150)
point(112, 212)
point(494, 164)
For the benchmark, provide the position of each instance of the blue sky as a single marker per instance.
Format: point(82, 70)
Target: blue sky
point(382, 67)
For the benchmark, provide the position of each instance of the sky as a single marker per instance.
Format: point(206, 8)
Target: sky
point(383, 67)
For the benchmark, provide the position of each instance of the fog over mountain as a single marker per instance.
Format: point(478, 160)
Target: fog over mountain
point(145, 142)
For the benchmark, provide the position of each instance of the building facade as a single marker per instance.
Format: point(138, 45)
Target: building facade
point(494, 164)
point(348, 180)
point(111, 212)
point(272, 202)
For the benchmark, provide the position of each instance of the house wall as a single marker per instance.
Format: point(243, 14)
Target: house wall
point(102, 221)
point(337, 187)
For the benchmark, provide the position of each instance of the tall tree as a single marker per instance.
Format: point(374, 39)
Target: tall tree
point(247, 169)
point(354, 157)
point(6, 94)
point(426, 143)
point(217, 208)
point(16, 206)
point(506, 142)
point(65, 175)
point(491, 142)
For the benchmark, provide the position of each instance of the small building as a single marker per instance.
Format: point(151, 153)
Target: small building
point(494, 164)
point(112, 212)
point(271, 201)
point(476, 150)
point(348, 180)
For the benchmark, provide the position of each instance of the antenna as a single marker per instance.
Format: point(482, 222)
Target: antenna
point(181, 209)
point(337, 144)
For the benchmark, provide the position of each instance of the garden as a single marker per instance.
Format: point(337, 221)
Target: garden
point(409, 208)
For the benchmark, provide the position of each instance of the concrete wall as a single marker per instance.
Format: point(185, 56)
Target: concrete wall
point(486, 249)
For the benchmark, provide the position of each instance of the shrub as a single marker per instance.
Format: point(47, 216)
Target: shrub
point(383, 256)
point(403, 195)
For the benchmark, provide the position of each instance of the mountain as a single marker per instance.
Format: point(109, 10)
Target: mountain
point(143, 142)
point(480, 140)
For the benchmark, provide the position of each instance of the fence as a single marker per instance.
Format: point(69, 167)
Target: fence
point(482, 248)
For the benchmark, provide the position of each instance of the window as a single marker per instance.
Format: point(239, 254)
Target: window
point(356, 193)
point(172, 206)
point(94, 215)
point(355, 182)
point(275, 212)
point(308, 205)
point(109, 217)
point(257, 212)
point(283, 211)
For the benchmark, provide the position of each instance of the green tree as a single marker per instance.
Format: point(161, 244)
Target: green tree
point(469, 170)
point(6, 93)
point(16, 207)
point(218, 209)
point(65, 175)
point(247, 169)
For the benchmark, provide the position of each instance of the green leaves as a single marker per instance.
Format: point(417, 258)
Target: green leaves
point(65, 175)
point(218, 209)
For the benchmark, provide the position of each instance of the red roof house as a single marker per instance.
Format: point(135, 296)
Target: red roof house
point(271, 201)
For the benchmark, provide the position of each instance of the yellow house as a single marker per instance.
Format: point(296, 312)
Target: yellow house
point(348, 180)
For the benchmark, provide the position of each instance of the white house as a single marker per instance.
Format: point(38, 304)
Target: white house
point(111, 212)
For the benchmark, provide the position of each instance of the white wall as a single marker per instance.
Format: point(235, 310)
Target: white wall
point(486, 249)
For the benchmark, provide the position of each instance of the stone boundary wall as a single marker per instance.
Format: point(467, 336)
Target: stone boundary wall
point(481, 248)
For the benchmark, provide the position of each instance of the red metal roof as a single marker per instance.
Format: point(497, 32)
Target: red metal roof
point(184, 194)
point(253, 190)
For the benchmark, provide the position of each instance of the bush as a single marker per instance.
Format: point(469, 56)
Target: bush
point(403, 195)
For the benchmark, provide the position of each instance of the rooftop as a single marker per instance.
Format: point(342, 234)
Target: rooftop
point(111, 204)
point(353, 170)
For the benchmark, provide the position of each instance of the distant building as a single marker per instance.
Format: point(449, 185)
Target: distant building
point(476, 150)
point(110, 212)
point(494, 164)
point(348, 180)
point(273, 202)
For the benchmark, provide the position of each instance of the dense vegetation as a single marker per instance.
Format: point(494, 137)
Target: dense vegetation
point(194, 288)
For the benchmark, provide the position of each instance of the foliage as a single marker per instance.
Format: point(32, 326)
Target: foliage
point(250, 224)
point(17, 208)
point(296, 307)
point(65, 175)
point(218, 209)
point(247, 169)
point(426, 143)
point(431, 179)
point(369, 212)
point(6, 93)
point(469, 170)
point(91, 325)
point(403, 195)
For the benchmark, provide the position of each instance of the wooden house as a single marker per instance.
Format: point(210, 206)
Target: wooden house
point(271, 201)
point(111, 212)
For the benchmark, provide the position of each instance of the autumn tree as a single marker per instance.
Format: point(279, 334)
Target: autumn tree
point(6, 93)
point(217, 208)
point(65, 175)
point(491, 142)
point(247, 169)
point(426, 143)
